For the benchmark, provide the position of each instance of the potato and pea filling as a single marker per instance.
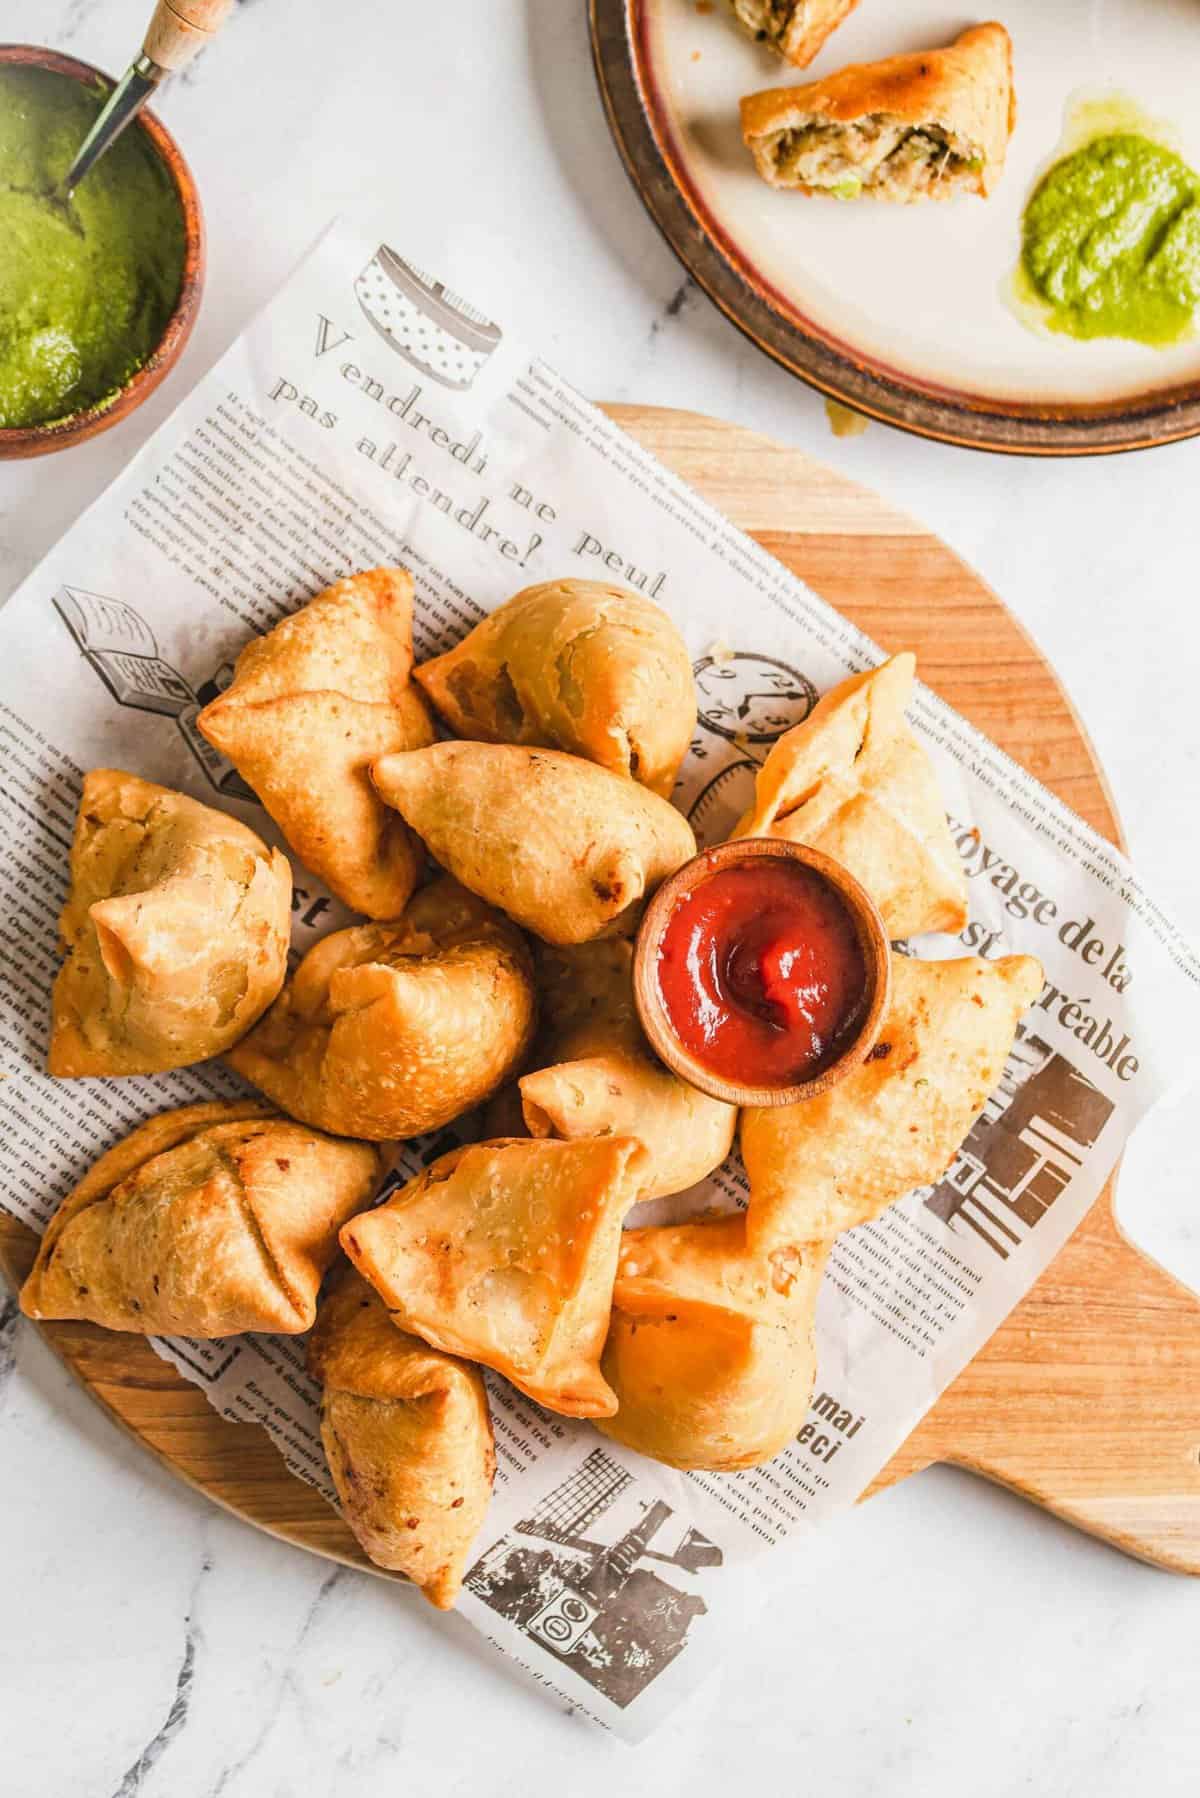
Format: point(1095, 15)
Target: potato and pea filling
point(876, 154)
point(768, 19)
point(924, 125)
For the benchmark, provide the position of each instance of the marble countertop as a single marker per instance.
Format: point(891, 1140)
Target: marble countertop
point(946, 1634)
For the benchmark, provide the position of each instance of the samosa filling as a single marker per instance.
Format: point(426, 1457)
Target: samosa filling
point(768, 20)
point(876, 153)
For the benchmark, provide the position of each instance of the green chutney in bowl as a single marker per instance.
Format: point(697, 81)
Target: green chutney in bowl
point(89, 289)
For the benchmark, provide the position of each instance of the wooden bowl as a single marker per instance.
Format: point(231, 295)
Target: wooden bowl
point(872, 938)
point(77, 427)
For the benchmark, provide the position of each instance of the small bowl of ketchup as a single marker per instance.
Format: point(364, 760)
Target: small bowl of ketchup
point(762, 972)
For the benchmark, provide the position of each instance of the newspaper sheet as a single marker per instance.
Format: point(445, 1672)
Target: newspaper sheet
point(371, 414)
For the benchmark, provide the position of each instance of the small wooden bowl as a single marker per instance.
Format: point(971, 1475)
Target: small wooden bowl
point(873, 941)
point(77, 427)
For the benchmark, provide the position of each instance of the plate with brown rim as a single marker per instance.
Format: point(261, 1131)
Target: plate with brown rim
point(903, 312)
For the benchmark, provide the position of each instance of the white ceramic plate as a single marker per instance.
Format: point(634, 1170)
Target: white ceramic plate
point(901, 311)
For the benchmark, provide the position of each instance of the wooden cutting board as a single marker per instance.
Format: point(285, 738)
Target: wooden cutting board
point(1087, 1400)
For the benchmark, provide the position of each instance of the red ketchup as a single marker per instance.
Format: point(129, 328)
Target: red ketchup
point(761, 972)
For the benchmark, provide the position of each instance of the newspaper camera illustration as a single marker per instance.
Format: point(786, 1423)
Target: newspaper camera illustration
point(573, 1579)
point(1024, 1149)
point(418, 317)
point(119, 646)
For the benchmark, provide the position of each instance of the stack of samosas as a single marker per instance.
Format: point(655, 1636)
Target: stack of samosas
point(494, 992)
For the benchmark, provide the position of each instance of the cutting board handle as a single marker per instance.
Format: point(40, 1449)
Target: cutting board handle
point(1086, 1400)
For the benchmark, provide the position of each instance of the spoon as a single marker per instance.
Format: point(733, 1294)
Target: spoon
point(177, 31)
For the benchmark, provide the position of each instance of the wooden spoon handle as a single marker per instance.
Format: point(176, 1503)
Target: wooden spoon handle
point(180, 28)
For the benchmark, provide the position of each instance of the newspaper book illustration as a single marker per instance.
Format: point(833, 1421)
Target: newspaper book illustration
point(342, 431)
point(119, 645)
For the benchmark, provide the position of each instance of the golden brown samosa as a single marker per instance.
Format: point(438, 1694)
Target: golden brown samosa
point(595, 1074)
point(795, 28)
point(389, 1030)
point(505, 1252)
point(175, 931)
point(711, 1350)
point(853, 781)
point(925, 125)
point(204, 1222)
point(565, 848)
point(576, 665)
point(408, 1437)
point(311, 706)
point(898, 1120)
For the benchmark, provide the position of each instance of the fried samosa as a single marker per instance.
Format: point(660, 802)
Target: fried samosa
point(601, 1079)
point(505, 1252)
point(408, 1437)
point(898, 1120)
point(204, 1222)
point(926, 125)
point(175, 931)
point(795, 28)
point(311, 706)
point(576, 665)
point(565, 848)
point(389, 1030)
point(711, 1351)
point(853, 781)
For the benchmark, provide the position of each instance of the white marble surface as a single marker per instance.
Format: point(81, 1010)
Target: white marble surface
point(946, 1636)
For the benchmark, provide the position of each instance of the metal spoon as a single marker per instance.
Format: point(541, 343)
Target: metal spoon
point(177, 31)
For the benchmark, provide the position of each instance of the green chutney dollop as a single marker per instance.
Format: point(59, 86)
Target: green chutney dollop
point(84, 296)
point(1111, 241)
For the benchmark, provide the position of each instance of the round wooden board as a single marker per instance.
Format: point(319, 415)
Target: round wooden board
point(1086, 1399)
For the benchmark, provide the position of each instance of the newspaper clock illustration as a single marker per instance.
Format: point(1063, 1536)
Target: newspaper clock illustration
point(746, 702)
point(119, 646)
point(581, 1577)
point(420, 319)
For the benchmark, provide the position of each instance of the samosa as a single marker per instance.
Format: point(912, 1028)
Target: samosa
point(311, 706)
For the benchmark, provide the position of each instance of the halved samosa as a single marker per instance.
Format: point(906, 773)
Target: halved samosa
point(204, 1222)
point(711, 1350)
point(899, 1119)
point(925, 125)
point(311, 706)
point(564, 847)
point(389, 1030)
point(505, 1252)
point(795, 28)
point(408, 1437)
point(175, 931)
point(601, 1079)
point(575, 665)
point(853, 781)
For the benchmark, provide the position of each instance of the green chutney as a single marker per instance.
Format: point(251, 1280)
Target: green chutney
point(1111, 242)
point(85, 294)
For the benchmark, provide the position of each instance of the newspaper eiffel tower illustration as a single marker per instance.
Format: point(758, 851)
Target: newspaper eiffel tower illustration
point(120, 647)
point(1023, 1150)
point(593, 1602)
